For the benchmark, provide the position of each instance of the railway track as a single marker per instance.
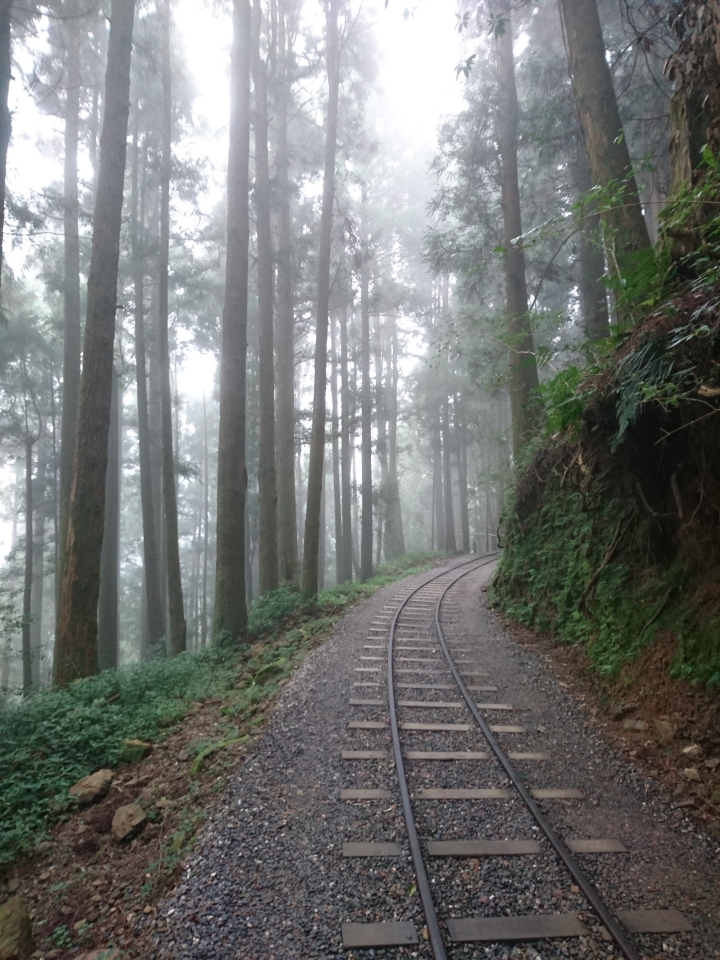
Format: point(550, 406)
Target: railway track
point(438, 696)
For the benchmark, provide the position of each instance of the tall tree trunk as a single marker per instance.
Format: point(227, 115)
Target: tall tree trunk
point(76, 644)
point(5, 116)
point(28, 579)
point(602, 130)
point(345, 453)
point(72, 331)
point(523, 368)
point(36, 602)
point(322, 546)
point(593, 295)
point(382, 441)
point(450, 541)
point(154, 621)
point(366, 530)
point(438, 501)
point(108, 636)
point(178, 627)
point(230, 604)
point(267, 482)
point(285, 428)
point(206, 525)
point(337, 498)
point(317, 439)
point(461, 436)
point(394, 536)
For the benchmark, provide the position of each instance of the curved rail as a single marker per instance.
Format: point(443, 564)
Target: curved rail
point(589, 891)
point(431, 920)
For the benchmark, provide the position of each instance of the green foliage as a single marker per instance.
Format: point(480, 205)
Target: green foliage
point(563, 401)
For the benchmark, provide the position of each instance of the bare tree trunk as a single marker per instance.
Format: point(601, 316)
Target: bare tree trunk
point(450, 541)
point(178, 626)
point(523, 368)
point(366, 530)
point(267, 481)
point(285, 432)
point(154, 621)
point(27, 585)
point(602, 130)
point(394, 536)
point(593, 295)
point(5, 116)
point(438, 501)
point(108, 636)
point(230, 604)
point(76, 645)
point(337, 499)
point(206, 525)
point(323, 535)
point(461, 436)
point(317, 441)
point(382, 441)
point(345, 454)
point(72, 331)
point(36, 603)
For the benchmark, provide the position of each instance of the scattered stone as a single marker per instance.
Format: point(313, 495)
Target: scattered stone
point(16, 942)
point(693, 751)
point(13, 885)
point(164, 804)
point(711, 764)
point(665, 730)
point(135, 750)
point(128, 821)
point(183, 756)
point(92, 788)
point(65, 910)
point(45, 875)
point(691, 773)
point(638, 725)
point(622, 709)
point(108, 953)
point(77, 927)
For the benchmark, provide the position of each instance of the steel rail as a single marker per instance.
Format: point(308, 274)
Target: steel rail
point(431, 919)
point(589, 891)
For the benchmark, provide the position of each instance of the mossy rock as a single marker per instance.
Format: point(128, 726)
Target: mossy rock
point(272, 670)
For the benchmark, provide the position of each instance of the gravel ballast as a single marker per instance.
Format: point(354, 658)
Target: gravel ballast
point(268, 879)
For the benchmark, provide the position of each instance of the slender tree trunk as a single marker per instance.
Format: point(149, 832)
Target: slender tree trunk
point(108, 637)
point(461, 435)
point(602, 130)
point(285, 428)
point(523, 368)
point(593, 295)
point(337, 498)
point(438, 502)
point(345, 454)
point(76, 645)
point(317, 441)
point(267, 482)
point(382, 441)
point(36, 603)
point(72, 332)
point(450, 541)
point(154, 621)
point(206, 525)
point(394, 535)
point(230, 604)
point(29, 550)
point(5, 116)
point(366, 530)
point(323, 534)
point(178, 627)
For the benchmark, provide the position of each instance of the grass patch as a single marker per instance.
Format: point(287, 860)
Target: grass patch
point(51, 739)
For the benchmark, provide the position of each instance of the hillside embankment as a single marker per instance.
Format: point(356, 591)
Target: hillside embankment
point(612, 540)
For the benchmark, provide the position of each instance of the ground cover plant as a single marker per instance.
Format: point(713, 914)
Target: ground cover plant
point(52, 738)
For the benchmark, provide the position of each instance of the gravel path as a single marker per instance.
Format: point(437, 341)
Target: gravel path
point(269, 879)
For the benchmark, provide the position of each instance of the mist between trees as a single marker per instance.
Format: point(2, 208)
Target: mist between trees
point(379, 331)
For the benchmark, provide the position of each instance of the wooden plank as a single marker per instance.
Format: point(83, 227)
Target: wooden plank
point(367, 669)
point(595, 846)
point(417, 660)
point(494, 706)
point(537, 926)
point(484, 688)
point(415, 670)
point(366, 684)
point(371, 850)
point(363, 794)
point(482, 848)
point(654, 921)
point(446, 755)
point(514, 755)
point(432, 704)
point(393, 933)
point(499, 728)
point(367, 725)
point(447, 727)
point(562, 794)
point(364, 755)
point(462, 793)
point(425, 686)
point(366, 703)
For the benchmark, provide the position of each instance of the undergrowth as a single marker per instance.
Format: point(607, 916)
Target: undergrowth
point(53, 738)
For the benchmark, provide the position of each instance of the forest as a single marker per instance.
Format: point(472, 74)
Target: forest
point(262, 344)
